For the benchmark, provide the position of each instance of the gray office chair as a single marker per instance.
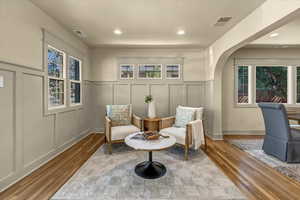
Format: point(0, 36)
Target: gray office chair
point(281, 141)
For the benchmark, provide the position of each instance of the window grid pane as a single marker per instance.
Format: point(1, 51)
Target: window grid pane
point(126, 71)
point(55, 63)
point(56, 92)
point(172, 71)
point(271, 84)
point(75, 93)
point(243, 84)
point(74, 69)
point(298, 84)
point(150, 71)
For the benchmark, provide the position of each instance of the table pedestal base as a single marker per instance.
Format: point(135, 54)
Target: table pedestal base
point(150, 169)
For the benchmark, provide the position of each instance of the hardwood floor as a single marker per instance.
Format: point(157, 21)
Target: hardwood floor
point(254, 178)
point(45, 181)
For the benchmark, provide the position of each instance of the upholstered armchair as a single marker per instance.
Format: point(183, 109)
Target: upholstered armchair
point(191, 135)
point(119, 123)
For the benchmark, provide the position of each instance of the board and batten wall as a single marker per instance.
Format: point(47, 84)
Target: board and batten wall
point(108, 89)
point(247, 120)
point(29, 137)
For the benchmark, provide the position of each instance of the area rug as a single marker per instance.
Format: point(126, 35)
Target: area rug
point(254, 148)
point(106, 176)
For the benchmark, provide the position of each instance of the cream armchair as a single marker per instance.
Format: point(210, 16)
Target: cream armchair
point(117, 134)
point(186, 136)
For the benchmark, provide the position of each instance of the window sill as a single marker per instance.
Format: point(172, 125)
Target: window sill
point(56, 110)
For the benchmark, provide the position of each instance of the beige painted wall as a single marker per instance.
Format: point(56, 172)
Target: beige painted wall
point(241, 120)
point(28, 137)
point(168, 94)
point(105, 61)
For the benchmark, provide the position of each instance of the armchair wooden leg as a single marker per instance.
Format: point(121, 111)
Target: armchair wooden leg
point(186, 152)
point(109, 148)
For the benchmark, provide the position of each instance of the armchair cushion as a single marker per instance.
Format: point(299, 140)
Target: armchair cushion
point(198, 112)
point(119, 114)
point(183, 116)
point(178, 133)
point(120, 132)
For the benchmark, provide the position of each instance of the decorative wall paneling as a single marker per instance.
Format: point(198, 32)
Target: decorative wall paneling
point(166, 95)
point(29, 137)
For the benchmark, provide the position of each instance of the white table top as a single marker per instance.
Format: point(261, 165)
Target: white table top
point(150, 145)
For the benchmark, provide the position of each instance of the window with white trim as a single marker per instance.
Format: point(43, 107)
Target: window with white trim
point(75, 80)
point(126, 71)
point(243, 84)
point(56, 78)
point(150, 71)
point(172, 71)
point(267, 83)
point(271, 84)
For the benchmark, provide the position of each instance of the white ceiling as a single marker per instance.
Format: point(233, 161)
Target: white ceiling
point(289, 36)
point(148, 22)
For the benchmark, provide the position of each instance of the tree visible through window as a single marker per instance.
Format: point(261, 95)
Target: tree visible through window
point(75, 80)
point(126, 71)
point(150, 71)
point(56, 77)
point(243, 84)
point(271, 84)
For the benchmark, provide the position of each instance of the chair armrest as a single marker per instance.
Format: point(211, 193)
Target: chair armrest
point(189, 131)
point(108, 128)
point(137, 121)
point(166, 122)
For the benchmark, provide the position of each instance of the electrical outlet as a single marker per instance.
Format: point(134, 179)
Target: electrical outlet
point(1, 81)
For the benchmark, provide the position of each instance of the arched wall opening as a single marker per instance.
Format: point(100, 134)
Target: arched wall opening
point(218, 55)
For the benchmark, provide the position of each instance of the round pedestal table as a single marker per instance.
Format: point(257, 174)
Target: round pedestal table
point(150, 169)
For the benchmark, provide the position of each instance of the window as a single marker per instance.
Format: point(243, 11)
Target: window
point(173, 71)
point(75, 80)
point(150, 71)
point(126, 71)
point(298, 85)
point(271, 84)
point(56, 77)
point(243, 84)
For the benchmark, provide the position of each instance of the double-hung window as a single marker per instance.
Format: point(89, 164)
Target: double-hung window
point(56, 78)
point(75, 80)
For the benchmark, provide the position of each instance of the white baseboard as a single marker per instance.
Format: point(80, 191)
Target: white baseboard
point(244, 132)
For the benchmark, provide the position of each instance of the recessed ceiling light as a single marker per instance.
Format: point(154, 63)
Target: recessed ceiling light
point(181, 32)
point(118, 32)
point(274, 34)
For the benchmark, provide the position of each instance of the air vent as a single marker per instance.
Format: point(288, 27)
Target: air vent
point(222, 21)
point(79, 33)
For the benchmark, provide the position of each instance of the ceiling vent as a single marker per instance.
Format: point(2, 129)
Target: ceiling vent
point(222, 21)
point(80, 33)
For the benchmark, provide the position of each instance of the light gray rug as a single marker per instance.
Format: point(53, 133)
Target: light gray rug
point(106, 176)
point(254, 148)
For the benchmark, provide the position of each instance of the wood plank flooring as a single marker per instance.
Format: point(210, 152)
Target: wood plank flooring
point(254, 178)
point(45, 181)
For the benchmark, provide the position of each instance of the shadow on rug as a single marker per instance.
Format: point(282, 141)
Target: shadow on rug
point(106, 176)
point(254, 148)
